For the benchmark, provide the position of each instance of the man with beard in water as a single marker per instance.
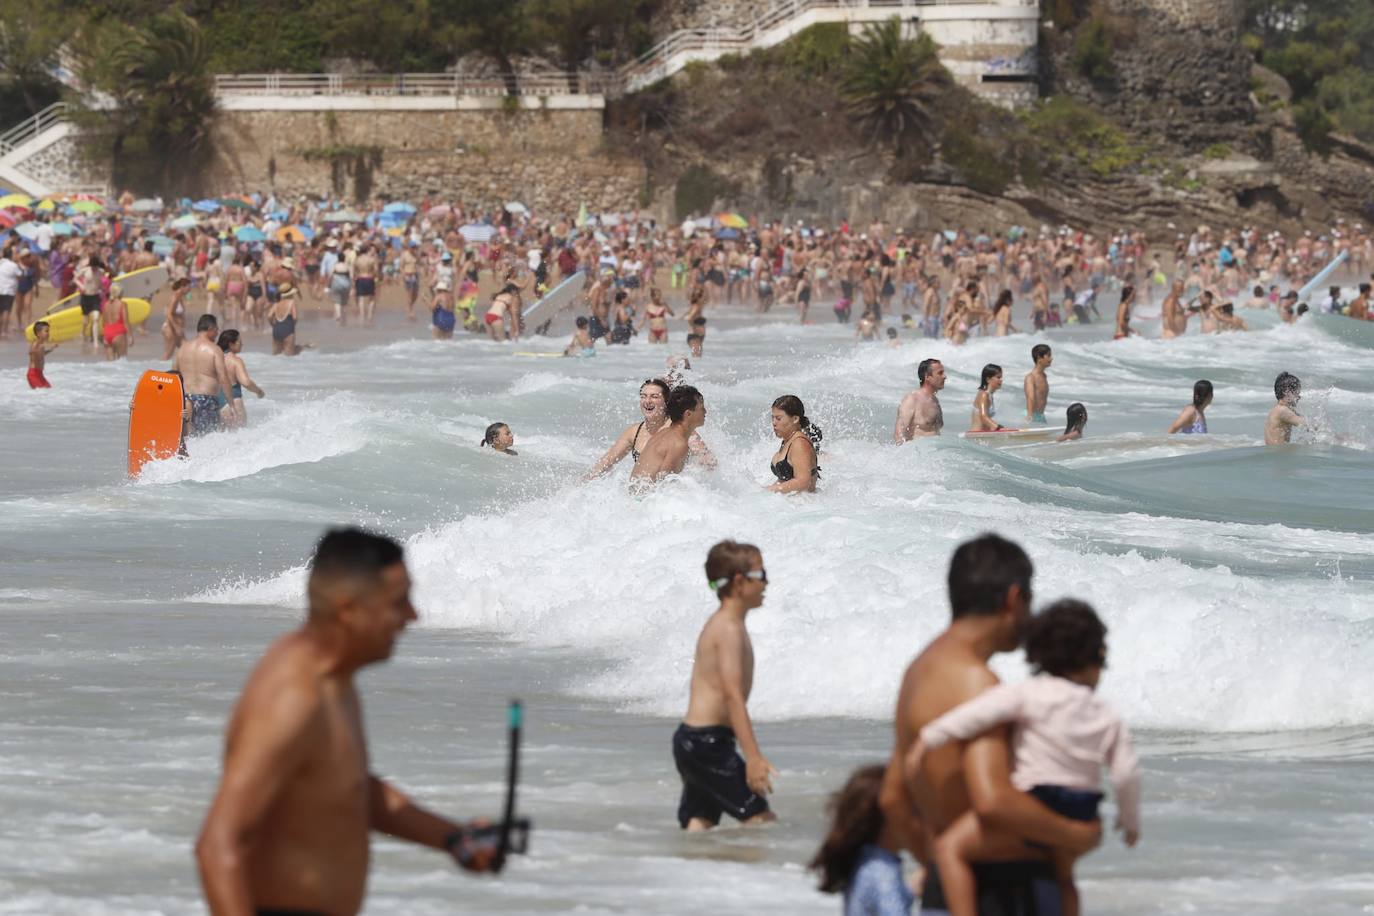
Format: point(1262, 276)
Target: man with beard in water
point(919, 413)
point(990, 595)
point(288, 830)
point(667, 451)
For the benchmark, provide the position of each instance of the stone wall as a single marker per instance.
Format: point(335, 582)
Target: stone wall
point(708, 14)
point(552, 160)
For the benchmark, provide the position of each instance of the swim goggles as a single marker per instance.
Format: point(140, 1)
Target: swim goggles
point(758, 575)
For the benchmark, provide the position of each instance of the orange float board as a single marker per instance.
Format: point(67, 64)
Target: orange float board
point(154, 419)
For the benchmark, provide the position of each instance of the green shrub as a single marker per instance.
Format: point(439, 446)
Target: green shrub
point(1314, 126)
point(697, 190)
point(1070, 127)
point(1217, 151)
point(818, 50)
point(1093, 49)
point(976, 159)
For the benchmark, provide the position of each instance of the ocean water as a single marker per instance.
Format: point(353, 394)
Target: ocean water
point(1236, 581)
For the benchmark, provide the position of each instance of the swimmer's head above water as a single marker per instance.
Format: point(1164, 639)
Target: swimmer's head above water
point(1287, 388)
point(499, 437)
point(1077, 416)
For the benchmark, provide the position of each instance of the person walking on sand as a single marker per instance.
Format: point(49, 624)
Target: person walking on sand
point(919, 413)
point(715, 779)
point(289, 828)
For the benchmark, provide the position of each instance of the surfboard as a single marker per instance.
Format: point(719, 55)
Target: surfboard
point(1321, 276)
point(65, 324)
point(144, 282)
point(532, 355)
point(996, 435)
point(555, 300)
point(154, 419)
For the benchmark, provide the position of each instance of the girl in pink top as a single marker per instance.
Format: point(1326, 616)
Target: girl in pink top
point(1063, 735)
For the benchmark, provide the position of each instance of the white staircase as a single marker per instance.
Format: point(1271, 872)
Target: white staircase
point(40, 156)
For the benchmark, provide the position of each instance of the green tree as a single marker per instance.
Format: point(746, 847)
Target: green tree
point(500, 30)
point(891, 83)
point(30, 36)
point(157, 130)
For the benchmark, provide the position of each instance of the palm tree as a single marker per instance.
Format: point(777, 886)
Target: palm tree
point(890, 83)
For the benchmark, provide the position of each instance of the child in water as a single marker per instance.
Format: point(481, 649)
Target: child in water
point(500, 438)
point(581, 343)
point(859, 857)
point(1192, 419)
point(1077, 419)
point(1062, 737)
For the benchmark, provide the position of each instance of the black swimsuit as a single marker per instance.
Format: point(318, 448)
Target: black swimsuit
point(634, 452)
point(783, 469)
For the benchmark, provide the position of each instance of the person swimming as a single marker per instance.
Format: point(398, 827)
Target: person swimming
point(1077, 419)
point(1192, 419)
point(984, 409)
point(500, 438)
point(795, 464)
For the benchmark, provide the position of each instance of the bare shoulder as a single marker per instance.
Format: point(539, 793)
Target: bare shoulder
point(288, 673)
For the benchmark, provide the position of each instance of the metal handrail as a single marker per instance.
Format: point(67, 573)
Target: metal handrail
point(411, 84)
point(31, 127)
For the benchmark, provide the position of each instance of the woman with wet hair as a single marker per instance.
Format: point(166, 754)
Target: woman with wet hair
point(653, 402)
point(984, 410)
point(500, 438)
point(795, 462)
point(1192, 419)
point(1077, 419)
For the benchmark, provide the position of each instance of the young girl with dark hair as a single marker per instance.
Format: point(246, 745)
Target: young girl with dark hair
point(859, 856)
point(500, 438)
point(1192, 419)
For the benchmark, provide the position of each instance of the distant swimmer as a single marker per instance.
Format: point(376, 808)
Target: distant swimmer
point(114, 324)
point(231, 343)
point(1192, 418)
point(288, 831)
point(1123, 314)
point(38, 354)
point(1174, 319)
point(861, 858)
point(581, 343)
point(655, 316)
point(1037, 384)
point(990, 596)
point(984, 409)
point(500, 438)
point(205, 377)
point(283, 315)
point(715, 780)
point(795, 463)
point(1064, 734)
point(653, 407)
point(919, 413)
point(893, 339)
point(1228, 320)
point(1076, 420)
point(666, 453)
point(1278, 426)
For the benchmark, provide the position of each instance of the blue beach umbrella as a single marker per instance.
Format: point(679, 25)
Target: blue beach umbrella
point(399, 206)
point(27, 231)
point(250, 234)
point(727, 234)
point(206, 206)
point(63, 229)
point(162, 245)
point(184, 222)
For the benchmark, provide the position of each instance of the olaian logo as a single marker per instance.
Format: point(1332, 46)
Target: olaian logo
point(164, 379)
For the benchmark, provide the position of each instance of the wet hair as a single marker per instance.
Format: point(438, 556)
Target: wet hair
point(1302, 308)
point(1259, 290)
point(1202, 390)
point(1038, 351)
point(856, 820)
point(492, 432)
point(1076, 417)
point(40, 326)
point(891, 333)
point(1286, 384)
point(206, 322)
point(1004, 300)
point(727, 560)
point(351, 553)
point(1126, 292)
point(923, 369)
point(582, 321)
point(1364, 289)
point(660, 384)
point(682, 399)
point(981, 572)
point(990, 371)
point(180, 283)
point(621, 296)
point(1065, 638)
point(694, 338)
point(227, 339)
point(791, 405)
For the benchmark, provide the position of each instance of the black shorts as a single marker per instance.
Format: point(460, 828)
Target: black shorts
point(596, 328)
point(6, 303)
point(90, 303)
point(1004, 889)
point(712, 776)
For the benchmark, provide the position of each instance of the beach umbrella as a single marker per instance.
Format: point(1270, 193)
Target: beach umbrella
point(236, 203)
point(400, 206)
point(185, 222)
point(63, 229)
point(688, 227)
point(250, 234)
point(476, 232)
point(47, 206)
point(146, 205)
point(951, 234)
point(516, 207)
point(727, 234)
point(7, 220)
point(732, 221)
point(162, 245)
point(86, 206)
point(15, 200)
point(440, 210)
point(343, 216)
point(291, 234)
point(27, 231)
point(206, 206)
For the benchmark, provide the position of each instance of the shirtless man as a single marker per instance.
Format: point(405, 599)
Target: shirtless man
point(289, 826)
point(715, 779)
point(1175, 319)
point(365, 283)
point(919, 414)
point(1278, 426)
point(203, 376)
point(666, 453)
point(990, 594)
point(410, 279)
point(1037, 384)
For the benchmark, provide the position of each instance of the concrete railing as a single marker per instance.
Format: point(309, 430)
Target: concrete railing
point(31, 127)
point(412, 84)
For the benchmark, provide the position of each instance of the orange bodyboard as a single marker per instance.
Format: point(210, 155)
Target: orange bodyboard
point(154, 419)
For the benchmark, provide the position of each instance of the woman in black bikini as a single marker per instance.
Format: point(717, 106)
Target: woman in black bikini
point(795, 463)
point(653, 403)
